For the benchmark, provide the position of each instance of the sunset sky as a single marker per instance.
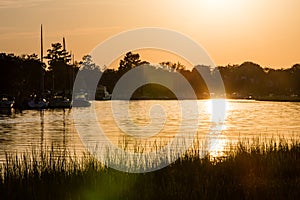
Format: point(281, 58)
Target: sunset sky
point(266, 32)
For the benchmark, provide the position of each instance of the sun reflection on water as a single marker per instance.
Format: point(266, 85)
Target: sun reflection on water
point(218, 146)
point(216, 141)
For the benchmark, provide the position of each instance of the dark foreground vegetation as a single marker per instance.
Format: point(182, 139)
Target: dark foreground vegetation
point(253, 172)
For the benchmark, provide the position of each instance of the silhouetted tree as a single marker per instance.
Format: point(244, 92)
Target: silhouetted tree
point(20, 74)
point(59, 67)
point(56, 54)
point(109, 79)
point(130, 61)
point(173, 66)
point(90, 73)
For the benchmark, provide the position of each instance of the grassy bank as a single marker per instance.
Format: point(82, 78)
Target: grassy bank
point(252, 172)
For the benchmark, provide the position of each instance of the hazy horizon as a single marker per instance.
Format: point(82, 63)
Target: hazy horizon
point(231, 31)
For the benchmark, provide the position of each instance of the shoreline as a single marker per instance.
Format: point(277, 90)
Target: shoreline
point(8, 110)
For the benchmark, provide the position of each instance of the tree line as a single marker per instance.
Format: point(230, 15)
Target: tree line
point(24, 75)
point(241, 81)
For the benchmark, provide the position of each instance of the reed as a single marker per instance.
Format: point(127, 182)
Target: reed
point(251, 171)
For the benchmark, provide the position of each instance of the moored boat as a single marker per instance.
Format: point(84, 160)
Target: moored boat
point(80, 100)
point(37, 103)
point(6, 102)
point(59, 101)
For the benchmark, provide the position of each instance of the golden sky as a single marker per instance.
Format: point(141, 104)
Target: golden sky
point(232, 31)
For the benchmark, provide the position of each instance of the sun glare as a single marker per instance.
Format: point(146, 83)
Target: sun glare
point(217, 109)
point(217, 147)
point(216, 5)
point(220, 4)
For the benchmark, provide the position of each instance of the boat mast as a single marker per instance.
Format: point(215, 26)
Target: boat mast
point(42, 55)
point(64, 44)
point(42, 43)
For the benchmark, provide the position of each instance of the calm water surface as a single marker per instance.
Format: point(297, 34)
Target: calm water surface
point(243, 120)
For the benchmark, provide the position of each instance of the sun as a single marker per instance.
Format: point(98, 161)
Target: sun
point(213, 11)
point(219, 5)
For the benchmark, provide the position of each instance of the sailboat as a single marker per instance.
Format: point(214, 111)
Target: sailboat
point(38, 101)
point(60, 100)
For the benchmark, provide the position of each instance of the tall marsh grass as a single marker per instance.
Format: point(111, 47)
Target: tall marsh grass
point(251, 171)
